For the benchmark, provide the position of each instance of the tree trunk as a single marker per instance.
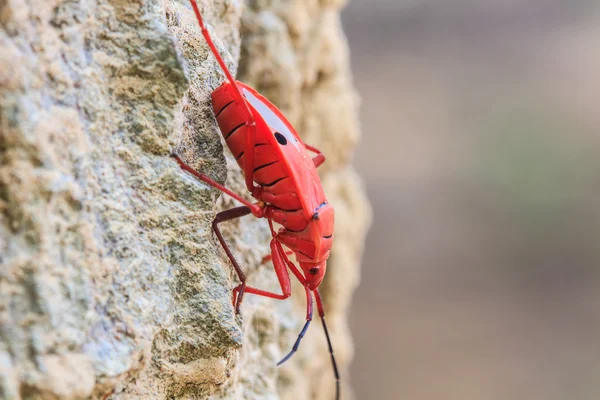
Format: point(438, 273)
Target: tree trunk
point(112, 284)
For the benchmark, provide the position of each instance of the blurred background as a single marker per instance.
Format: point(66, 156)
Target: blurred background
point(480, 155)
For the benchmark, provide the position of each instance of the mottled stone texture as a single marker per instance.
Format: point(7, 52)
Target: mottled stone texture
point(111, 281)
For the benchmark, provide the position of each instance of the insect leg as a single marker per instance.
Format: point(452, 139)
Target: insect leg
point(282, 276)
point(333, 363)
point(228, 215)
point(280, 270)
point(319, 158)
point(249, 151)
point(255, 209)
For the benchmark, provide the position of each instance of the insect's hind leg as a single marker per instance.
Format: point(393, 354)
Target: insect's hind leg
point(250, 123)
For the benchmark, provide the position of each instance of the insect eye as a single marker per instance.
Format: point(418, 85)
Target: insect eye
point(314, 270)
point(280, 138)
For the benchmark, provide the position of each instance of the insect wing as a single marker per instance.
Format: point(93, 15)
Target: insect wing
point(296, 155)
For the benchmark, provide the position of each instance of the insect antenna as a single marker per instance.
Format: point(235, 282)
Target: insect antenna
point(296, 345)
point(309, 314)
point(333, 362)
point(335, 368)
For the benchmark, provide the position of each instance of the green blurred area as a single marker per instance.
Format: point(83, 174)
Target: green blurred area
point(481, 131)
point(525, 157)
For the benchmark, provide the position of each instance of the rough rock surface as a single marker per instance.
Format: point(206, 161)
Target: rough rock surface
point(112, 284)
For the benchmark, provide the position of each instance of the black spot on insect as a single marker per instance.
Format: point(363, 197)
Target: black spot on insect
point(315, 216)
point(280, 139)
point(314, 270)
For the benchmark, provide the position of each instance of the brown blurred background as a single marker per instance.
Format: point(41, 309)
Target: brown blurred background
point(480, 154)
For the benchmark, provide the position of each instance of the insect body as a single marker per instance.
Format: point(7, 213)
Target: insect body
point(286, 176)
point(288, 190)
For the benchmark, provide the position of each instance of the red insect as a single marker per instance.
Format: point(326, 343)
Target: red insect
point(288, 190)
